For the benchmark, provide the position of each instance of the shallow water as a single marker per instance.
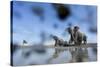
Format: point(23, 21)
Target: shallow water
point(33, 56)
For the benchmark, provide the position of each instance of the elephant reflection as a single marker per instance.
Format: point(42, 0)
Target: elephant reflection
point(55, 54)
point(79, 54)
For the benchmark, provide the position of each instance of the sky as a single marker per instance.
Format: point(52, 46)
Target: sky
point(28, 24)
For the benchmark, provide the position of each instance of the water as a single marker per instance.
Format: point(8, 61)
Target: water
point(33, 56)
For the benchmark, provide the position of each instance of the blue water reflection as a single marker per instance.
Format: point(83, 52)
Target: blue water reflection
point(32, 56)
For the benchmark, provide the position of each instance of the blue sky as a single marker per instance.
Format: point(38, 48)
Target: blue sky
point(27, 25)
